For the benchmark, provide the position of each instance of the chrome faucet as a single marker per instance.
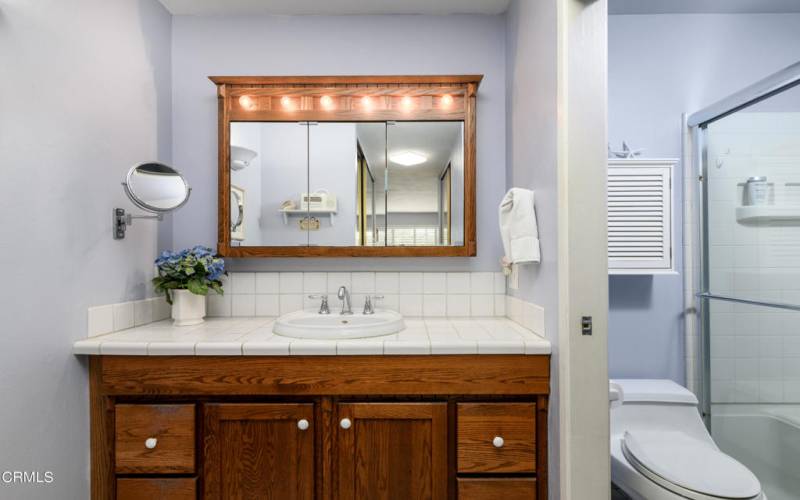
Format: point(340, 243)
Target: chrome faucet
point(344, 296)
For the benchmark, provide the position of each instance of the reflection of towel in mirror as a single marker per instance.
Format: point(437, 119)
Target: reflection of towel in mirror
point(518, 227)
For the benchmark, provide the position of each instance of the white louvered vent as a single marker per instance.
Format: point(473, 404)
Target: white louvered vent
point(640, 216)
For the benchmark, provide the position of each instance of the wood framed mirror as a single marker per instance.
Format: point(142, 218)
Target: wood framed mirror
point(348, 166)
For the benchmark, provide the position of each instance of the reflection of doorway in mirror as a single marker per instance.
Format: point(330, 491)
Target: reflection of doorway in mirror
point(445, 212)
point(366, 227)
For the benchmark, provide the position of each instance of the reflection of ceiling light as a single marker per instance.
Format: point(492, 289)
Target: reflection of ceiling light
point(326, 102)
point(447, 99)
point(408, 158)
point(241, 157)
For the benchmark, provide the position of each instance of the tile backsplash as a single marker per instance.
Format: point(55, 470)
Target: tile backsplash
point(115, 317)
point(414, 294)
point(527, 314)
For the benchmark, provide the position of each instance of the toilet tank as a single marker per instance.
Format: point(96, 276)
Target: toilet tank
point(630, 390)
point(653, 405)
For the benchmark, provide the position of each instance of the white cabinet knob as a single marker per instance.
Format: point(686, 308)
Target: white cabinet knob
point(302, 424)
point(498, 442)
point(345, 423)
point(150, 443)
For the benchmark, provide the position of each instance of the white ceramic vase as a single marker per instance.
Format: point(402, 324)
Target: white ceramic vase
point(187, 308)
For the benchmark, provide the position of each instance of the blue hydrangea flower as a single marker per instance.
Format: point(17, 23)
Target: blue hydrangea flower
point(196, 269)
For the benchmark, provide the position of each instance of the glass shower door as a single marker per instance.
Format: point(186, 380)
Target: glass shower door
point(751, 287)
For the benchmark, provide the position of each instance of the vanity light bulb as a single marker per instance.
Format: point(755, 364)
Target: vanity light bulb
point(406, 102)
point(247, 102)
point(447, 100)
point(326, 102)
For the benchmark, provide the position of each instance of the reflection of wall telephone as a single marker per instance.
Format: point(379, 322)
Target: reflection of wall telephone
point(321, 199)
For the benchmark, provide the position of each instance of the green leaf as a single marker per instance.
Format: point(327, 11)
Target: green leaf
point(197, 287)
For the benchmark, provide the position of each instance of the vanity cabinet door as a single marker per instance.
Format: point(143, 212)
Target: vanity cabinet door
point(263, 451)
point(391, 451)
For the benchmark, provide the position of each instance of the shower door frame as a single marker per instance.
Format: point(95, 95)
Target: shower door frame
point(697, 124)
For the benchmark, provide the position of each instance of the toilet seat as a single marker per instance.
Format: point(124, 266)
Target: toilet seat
point(688, 467)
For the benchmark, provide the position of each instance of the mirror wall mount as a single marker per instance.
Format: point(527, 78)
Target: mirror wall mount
point(344, 99)
point(153, 187)
point(123, 219)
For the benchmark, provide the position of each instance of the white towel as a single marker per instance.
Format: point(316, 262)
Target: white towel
point(518, 227)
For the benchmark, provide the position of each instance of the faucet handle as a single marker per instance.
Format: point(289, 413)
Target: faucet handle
point(323, 307)
point(368, 305)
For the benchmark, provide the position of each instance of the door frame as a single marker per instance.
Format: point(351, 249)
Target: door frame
point(582, 122)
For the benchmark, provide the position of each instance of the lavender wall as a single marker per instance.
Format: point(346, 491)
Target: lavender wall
point(661, 66)
point(65, 146)
point(277, 45)
point(531, 144)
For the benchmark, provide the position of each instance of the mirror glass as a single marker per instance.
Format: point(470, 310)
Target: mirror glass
point(371, 176)
point(348, 183)
point(156, 187)
point(272, 181)
point(237, 213)
point(425, 198)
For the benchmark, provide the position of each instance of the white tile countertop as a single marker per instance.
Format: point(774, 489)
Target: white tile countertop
point(254, 337)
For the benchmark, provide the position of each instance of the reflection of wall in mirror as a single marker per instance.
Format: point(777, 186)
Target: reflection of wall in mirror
point(332, 167)
point(249, 178)
point(284, 168)
point(158, 190)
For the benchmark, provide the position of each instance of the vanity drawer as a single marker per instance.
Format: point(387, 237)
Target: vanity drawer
point(492, 489)
point(496, 437)
point(154, 439)
point(182, 488)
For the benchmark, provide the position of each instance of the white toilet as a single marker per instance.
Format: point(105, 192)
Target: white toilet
point(660, 449)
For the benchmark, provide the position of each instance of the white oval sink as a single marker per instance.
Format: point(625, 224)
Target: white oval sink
point(333, 326)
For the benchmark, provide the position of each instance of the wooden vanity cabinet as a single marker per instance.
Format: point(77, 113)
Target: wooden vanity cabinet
point(391, 451)
point(259, 451)
point(321, 428)
point(131, 488)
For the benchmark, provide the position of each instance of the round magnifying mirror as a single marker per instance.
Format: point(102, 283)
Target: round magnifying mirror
point(156, 187)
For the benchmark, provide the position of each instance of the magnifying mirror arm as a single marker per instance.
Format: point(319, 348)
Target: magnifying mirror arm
point(122, 220)
point(129, 217)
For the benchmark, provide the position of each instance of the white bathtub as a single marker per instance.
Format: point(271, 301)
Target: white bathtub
point(765, 438)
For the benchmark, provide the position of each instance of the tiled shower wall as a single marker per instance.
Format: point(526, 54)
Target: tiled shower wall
point(755, 350)
point(411, 293)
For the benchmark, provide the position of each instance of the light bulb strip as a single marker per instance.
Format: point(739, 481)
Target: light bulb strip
point(365, 102)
